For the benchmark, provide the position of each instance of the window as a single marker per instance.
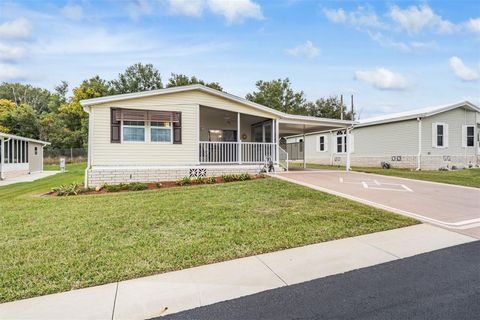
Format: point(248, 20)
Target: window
point(440, 135)
point(134, 131)
point(321, 143)
point(161, 132)
point(470, 136)
point(341, 141)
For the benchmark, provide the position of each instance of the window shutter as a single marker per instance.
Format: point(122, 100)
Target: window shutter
point(114, 126)
point(326, 142)
point(464, 136)
point(434, 135)
point(177, 129)
point(445, 134)
point(318, 143)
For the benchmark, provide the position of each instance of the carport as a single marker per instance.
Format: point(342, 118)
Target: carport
point(302, 125)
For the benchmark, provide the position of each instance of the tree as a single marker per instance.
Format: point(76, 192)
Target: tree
point(137, 77)
point(177, 79)
point(330, 107)
point(37, 98)
point(278, 94)
point(74, 118)
point(21, 121)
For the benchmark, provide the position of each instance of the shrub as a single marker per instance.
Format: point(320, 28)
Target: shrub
point(158, 185)
point(68, 189)
point(185, 181)
point(200, 180)
point(236, 177)
point(112, 187)
point(210, 180)
point(137, 186)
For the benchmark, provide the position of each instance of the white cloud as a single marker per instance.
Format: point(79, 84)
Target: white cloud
point(307, 50)
point(382, 79)
point(360, 17)
point(335, 15)
point(16, 29)
point(10, 52)
point(461, 70)
point(10, 72)
point(138, 8)
point(412, 46)
point(72, 11)
point(191, 8)
point(416, 18)
point(473, 25)
point(236, 10)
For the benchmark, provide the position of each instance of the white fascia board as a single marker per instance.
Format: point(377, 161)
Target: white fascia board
point(12, 136)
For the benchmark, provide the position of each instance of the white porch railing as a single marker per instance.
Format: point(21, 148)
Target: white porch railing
point(228, 152)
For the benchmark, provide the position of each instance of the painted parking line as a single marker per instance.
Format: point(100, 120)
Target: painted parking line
point(385, 186)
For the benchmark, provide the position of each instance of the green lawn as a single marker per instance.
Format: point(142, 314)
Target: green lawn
point(52, 244)
point(468, 177)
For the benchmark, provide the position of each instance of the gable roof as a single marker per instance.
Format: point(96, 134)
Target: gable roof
point(225, 95)
point(12, 136)
point(417, 113)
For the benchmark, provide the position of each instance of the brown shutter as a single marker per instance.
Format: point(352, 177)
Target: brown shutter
point(114, 126)
point(177, 128)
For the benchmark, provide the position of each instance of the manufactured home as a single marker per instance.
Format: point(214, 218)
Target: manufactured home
point(429, 139)
point(20, 155)
point(191, 131)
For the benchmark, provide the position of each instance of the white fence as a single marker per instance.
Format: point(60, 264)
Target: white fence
point(229, 152)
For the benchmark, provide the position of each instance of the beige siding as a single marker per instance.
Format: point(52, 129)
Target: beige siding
point(35, 161)
point(105, 153)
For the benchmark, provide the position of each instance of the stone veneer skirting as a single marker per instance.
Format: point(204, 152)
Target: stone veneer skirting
point(98, 176)
point(428, 162)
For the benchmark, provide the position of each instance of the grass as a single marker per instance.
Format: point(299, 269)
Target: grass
point(53, 244)
point(467, 177)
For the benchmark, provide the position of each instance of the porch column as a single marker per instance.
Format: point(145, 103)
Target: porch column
point(349, 147)
point(304, 150)
point(277, 140)
point(239, 139)
point(2, 158)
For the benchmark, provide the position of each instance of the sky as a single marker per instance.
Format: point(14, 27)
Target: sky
point(392, 56)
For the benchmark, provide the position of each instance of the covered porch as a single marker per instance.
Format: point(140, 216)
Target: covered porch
point(228, 137)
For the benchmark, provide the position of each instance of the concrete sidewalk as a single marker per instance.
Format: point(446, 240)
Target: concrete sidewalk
point(185, 289)
point(28, 177)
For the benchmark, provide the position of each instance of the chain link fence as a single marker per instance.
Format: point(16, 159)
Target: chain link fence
point(71, 155)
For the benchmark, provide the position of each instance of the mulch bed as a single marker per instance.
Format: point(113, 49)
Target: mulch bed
point(157, 185)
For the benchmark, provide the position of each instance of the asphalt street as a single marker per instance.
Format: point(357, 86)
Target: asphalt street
point(443, 284)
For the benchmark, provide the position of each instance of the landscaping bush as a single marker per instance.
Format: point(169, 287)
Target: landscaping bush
point(210, 180)
point(200, 180)
point(137, 186)
point(68, 189)
point(185, 181)
point(236, 177)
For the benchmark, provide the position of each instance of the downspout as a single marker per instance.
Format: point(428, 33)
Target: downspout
point(419, 154)
point(89, 143)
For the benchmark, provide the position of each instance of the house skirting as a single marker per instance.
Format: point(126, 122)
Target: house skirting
point(98, 176)
point(427, 162)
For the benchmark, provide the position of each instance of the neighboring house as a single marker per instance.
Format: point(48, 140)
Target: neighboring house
point(429, 138)
point(194, 130)
point(20, 155)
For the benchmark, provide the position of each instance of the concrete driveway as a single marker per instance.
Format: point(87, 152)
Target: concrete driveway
point(449, 206)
